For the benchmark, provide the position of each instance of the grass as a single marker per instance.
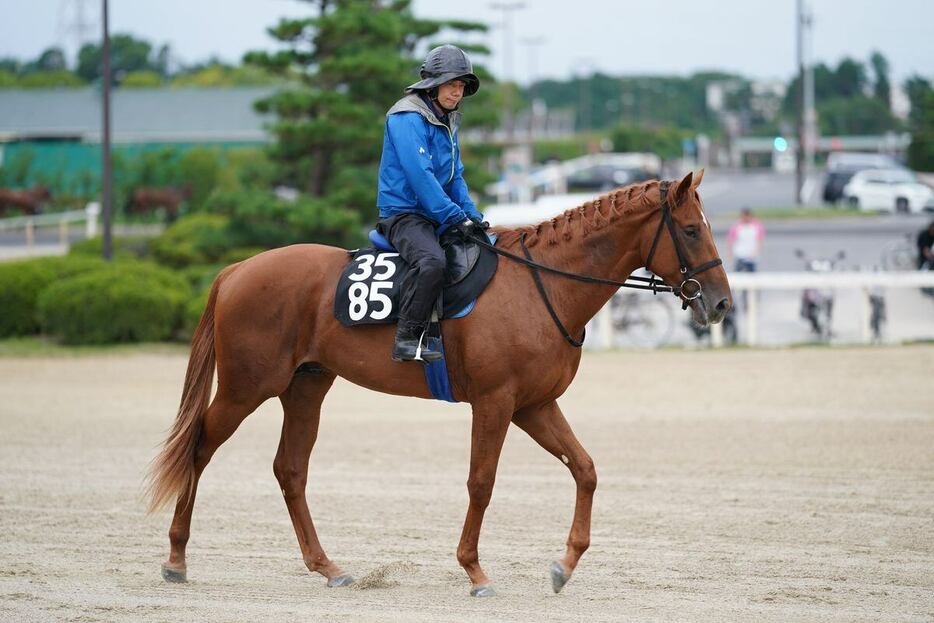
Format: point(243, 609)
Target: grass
point(35, 346)
point(814, 212)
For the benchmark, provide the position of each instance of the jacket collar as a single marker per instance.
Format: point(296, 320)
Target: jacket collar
point(413, 103)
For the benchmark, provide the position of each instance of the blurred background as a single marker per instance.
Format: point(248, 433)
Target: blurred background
point(260, 125)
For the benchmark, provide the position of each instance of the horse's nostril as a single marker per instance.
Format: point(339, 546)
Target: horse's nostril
point(724, 305)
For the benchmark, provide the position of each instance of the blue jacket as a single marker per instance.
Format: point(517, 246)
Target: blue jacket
point(421, 169)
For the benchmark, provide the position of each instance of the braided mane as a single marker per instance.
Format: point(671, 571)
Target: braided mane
point(591, 216)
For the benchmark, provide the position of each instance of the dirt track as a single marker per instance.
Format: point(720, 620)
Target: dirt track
point(771, 486)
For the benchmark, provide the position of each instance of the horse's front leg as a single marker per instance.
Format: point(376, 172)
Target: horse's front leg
point(490, 422)
point(548, 427)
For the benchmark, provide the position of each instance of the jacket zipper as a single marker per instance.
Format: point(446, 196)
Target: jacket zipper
point(453, 153)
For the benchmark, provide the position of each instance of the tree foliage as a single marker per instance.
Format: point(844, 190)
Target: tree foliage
point(846, 101)
point(347, 65)
point(127, 54)
point(921, 123)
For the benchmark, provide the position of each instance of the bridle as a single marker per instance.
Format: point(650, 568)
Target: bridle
point(689, 289)
point(687, 273)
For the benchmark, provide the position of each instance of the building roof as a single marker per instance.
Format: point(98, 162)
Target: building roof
point(138, 115)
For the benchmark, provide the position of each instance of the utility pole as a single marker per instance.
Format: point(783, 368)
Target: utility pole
point(584, 84)
point(532, 43)
point(810, 116)
point(107, 173)
point(507, 8)
point(799, 97)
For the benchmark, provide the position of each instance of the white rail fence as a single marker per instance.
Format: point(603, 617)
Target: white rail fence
point(770, 300)
point(62, 220)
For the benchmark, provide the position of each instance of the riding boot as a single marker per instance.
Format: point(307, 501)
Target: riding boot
point(406, 345)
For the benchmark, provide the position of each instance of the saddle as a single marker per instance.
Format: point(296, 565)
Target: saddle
point(370, 286)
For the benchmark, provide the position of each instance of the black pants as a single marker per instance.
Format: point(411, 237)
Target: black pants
point(414, 237)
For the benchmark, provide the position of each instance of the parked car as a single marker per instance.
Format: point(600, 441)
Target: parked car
point(841, 166)
point(890, 190)
point(604, 177)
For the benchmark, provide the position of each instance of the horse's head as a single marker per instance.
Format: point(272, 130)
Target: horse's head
point(679, 247)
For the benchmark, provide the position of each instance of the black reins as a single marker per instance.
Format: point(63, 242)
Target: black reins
point(654, 284)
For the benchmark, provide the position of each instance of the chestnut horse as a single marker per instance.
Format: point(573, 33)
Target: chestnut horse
point(269, 327)
point(29, 200)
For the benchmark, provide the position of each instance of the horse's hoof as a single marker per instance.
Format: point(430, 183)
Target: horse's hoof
point(174, 575)
point(343, 579)
point(558, 576)
point(483, 591)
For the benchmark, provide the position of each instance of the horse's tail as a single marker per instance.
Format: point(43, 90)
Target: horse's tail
point(172, 472)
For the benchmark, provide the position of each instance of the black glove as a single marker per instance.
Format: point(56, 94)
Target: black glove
point(467, 227)
point(479, 222)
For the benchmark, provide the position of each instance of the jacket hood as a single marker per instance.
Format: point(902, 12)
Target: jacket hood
point(413, 103)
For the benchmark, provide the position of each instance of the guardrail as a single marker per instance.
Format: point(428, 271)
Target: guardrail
point(89, 216)
point(751, 284)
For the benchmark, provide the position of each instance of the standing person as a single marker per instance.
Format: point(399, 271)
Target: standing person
point(422, 191)
point(744, 242)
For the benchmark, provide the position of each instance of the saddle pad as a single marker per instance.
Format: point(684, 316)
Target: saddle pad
point(370, 286)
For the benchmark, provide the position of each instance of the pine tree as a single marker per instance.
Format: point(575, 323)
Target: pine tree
point(346, 66)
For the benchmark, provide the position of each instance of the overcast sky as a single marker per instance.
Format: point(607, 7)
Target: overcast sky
point(751, 37)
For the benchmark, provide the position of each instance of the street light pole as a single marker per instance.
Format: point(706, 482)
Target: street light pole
point(107, 173)
point(532, 43)
point(507, 8)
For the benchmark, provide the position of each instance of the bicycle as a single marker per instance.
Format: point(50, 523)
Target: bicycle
point(648, 321)
point(900, 254)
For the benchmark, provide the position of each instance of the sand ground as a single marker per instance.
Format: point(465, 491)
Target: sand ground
point(789, 485)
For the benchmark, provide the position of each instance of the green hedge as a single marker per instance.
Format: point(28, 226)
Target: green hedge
point(194, 239)
point(130, 302)
point(126, 247)
point(21, 283)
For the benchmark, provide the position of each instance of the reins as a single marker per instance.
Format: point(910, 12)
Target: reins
point(654, 284)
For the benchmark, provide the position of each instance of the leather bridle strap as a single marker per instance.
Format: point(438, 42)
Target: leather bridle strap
point(687, 272)
point(551, 310)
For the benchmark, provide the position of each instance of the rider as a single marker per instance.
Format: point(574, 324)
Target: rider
point(422, 190)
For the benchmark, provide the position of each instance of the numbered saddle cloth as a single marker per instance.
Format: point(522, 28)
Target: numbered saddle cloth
point(369, 289)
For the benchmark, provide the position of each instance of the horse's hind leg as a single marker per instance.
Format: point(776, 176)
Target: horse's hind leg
point(548, 427)
point(301, 403)
point(220, 421)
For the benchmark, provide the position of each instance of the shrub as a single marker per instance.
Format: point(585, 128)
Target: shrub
point(191, 314)
point(131, 302)
point(194, 239)
point(127, 247)
point(22, 282)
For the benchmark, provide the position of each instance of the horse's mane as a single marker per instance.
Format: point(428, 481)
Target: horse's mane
point(591, 216)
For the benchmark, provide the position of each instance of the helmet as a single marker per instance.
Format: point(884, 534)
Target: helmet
point(443, 64)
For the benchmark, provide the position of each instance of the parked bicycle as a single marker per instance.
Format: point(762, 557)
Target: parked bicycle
point(647, 321)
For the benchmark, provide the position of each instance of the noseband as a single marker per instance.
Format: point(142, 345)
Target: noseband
point(687, 273)
point(646, 283)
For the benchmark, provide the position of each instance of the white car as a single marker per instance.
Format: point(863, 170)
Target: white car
point(890, 190)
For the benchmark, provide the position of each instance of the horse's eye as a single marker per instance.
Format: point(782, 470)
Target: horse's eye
point(690, 231)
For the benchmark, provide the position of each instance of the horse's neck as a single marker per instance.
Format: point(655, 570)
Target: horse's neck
point(609, 253)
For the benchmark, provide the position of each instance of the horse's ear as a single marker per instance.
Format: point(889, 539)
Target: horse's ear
point(683, 187)
point(698, 178)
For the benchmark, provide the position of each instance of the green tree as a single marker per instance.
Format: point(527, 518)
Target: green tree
point(347, 64)
point(882, 89)
point(921, 124)
point(127, 54)
point(854, 115)
point(52, 59)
